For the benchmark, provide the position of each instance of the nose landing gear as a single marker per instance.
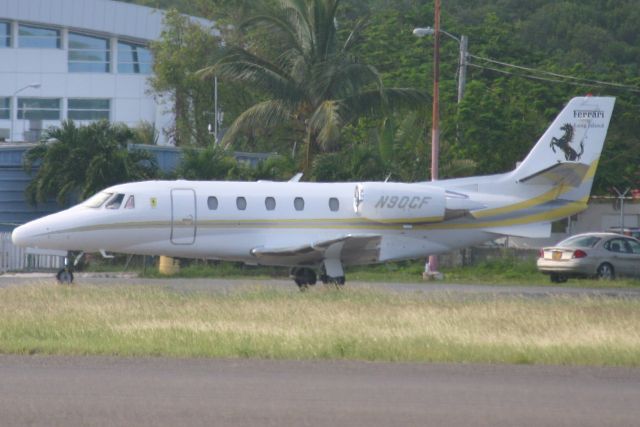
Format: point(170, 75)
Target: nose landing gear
point(65, 275)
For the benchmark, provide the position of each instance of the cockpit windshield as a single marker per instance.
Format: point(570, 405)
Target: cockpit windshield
point(97, 200)
point(115, 201)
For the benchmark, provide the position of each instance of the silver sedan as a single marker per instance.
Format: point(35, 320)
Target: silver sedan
point(602, 255)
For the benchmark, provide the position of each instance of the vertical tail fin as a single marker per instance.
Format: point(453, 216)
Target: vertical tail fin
point(572, 145)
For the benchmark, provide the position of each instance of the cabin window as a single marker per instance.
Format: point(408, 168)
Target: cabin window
point(334, 204)
point(115, 201)
point(97, 200)
point(241, 203)
point(131, 203)
point(298, 203)
point(212, 203)
point(270, 203)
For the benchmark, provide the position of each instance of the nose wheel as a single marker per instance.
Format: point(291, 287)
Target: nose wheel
point(65, 276)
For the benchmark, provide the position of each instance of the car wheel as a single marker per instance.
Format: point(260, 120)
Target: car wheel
point(558, 278)
point(605, 271)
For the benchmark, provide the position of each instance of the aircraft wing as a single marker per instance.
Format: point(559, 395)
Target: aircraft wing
point(350, 249)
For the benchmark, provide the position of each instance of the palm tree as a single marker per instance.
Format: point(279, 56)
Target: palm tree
point(313, 83)
point(75, 162)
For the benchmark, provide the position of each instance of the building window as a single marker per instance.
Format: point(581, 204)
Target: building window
point(88, 109)
point(38, 37)
point(334, 204)
point(298, 203)
point(212, 203)
point(88, 54)
point(39, 108)
point(5, 34)
point(5, 108)
point(270, 203)
point(134, 59)
point(241, 203)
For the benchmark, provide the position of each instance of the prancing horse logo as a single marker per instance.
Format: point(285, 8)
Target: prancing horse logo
point(564, 144)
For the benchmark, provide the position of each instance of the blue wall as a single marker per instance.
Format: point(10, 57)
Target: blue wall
point(14, 209)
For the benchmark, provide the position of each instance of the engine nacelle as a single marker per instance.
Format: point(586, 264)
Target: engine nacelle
point(399, 203)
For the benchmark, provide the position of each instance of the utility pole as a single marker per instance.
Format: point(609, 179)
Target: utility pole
point(462, 71)
point(435, 111)
point(435, 116)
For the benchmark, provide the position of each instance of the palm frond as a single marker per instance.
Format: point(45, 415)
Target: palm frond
point(265, 115)
point(375, 103)
point(244, 66)
point(326, 123)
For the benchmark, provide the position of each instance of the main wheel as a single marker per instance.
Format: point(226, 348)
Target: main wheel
point(304, 277)
point(64, 277)
point(606, 272)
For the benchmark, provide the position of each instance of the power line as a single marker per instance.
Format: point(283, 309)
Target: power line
point(561, 76)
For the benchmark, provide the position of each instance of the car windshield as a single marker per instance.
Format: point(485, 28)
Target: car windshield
point(97, 200)
point(580, 242)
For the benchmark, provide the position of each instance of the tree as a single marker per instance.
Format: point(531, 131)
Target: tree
point(75, 162)
point(312, 83)
point(214, 162)
point(183, 48)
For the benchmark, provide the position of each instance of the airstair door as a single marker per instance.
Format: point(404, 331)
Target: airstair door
point(183, 216)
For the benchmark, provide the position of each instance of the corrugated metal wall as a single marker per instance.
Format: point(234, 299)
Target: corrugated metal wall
point(14, 210)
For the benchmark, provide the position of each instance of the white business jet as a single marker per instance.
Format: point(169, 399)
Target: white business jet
point(317, 229)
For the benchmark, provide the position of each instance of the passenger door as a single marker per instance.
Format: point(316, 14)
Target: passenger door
point(183, 216)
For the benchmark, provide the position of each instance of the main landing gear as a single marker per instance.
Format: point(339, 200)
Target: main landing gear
point(65, 275)
point(305, 277)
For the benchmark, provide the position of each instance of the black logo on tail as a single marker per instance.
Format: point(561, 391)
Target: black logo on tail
point(564, 144)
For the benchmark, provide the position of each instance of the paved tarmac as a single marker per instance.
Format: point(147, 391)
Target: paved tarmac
point(105, 391)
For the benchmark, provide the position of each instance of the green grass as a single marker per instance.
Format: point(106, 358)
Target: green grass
point(320, 324)
point(499, 271)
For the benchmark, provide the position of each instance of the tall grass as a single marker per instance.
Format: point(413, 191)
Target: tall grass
point(320, 324)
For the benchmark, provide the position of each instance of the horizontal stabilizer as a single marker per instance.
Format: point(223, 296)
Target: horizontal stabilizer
point(535, 230)
point(571, 174)
point(353, 249)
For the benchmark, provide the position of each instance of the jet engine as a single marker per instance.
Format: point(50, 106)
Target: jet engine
point(399, 203)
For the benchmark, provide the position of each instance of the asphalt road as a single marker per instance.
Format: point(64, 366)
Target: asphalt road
point(100, 391)
point(215, 285)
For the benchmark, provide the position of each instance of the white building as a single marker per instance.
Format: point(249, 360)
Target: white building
point(79, 59)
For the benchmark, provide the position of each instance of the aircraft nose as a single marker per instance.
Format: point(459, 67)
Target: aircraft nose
point(24, 235)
